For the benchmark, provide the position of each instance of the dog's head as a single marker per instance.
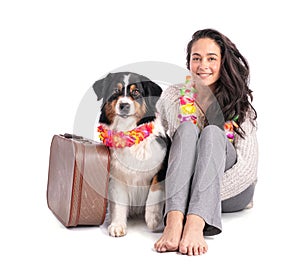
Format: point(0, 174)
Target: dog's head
point(128, 99)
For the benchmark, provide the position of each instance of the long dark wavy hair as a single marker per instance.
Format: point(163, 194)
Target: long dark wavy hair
point(231, 89)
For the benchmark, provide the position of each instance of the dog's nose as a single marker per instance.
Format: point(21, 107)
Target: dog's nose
point(124, 107)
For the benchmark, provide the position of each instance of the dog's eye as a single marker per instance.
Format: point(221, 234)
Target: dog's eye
point(135, 93)
point(116, 91)
point(118, 88)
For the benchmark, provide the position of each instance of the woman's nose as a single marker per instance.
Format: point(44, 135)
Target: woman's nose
point(203, 64)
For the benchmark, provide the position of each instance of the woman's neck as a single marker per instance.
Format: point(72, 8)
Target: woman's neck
point(205, 97)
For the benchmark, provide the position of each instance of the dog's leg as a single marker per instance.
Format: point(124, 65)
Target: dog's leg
point(118, 209)
point(118, 225)
point(155, 206)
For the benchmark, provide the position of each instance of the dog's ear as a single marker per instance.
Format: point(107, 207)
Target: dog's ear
point(101, 87)
point(152, 89)
point(152, 92)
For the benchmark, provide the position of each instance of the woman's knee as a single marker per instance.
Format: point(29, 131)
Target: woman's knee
point(212, 132)
point(187, 131)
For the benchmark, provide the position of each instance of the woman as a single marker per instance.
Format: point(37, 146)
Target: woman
point(213, 157)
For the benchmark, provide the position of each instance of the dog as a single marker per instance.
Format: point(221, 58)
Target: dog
point(132, 130)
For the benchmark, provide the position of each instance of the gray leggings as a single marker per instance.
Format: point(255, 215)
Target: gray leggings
point(196, 165)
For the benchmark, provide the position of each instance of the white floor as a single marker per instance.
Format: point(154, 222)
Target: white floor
point(31, 235)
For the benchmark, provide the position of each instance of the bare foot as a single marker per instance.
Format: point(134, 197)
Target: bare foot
point(192, 241)
point(169, 241)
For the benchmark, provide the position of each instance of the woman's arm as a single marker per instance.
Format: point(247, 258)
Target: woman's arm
point(244, 172)
point(168, 109)
point(160, 108)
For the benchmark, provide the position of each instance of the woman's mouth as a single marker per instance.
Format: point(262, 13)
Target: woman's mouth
point(204, 75)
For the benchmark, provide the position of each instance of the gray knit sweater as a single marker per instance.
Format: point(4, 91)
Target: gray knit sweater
point(244, 172)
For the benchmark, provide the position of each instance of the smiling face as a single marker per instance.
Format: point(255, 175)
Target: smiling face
point(205, 60)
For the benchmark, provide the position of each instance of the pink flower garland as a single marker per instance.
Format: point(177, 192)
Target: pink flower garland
point(187, 102)
point(188, 109)
point(121, 139)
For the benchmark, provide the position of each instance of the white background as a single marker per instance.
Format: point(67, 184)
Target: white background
point(51, 52)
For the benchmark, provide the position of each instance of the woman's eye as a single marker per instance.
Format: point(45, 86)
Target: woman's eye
point(211, 59)
point(196, 59)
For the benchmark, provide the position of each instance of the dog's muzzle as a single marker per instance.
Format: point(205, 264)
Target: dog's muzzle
point(124, 109)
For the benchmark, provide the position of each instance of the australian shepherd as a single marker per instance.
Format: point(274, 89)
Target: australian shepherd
point(130, 127)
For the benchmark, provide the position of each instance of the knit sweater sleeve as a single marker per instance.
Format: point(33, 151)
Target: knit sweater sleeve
point(167, 107)
point(160, 108)
point(244, 172)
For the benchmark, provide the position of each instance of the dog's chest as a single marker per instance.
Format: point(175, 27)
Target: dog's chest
point(139, 163)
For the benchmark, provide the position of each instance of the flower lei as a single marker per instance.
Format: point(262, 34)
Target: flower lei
point(121, 139)
point(187, 109)
point(187, 102)
point(229, 128)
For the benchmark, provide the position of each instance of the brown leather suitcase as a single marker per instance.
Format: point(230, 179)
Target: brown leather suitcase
point(78, 180)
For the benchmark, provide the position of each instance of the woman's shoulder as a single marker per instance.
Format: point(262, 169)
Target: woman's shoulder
point(170, 95)
point(168, 102)
point(172, 90)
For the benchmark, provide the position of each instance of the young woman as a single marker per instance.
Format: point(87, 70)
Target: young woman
point(213, 158)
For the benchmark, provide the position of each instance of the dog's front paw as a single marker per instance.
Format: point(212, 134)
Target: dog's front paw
point(117, 230)
point(154, 217)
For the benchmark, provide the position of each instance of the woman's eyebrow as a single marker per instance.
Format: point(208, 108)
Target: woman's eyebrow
point(206, 54)
point(196, 54)
point(212, 54)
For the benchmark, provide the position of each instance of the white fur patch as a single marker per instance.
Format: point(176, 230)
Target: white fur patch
point(126, 83)
point(125, 100)
point(118, 225)
point(158, 127)
point(155, 197)
point(123, 124)
point(154, 210)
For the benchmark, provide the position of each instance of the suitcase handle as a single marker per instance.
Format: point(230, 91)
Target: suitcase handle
point(72, 136)
point(77, 138)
